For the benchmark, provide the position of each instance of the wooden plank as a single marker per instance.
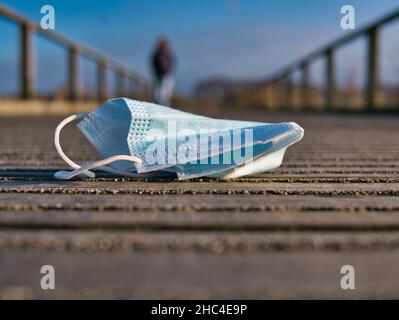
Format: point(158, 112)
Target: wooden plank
point(206, 221)
point(144, 275)
point(199, 188)
point(214, 242)
point(197, 203)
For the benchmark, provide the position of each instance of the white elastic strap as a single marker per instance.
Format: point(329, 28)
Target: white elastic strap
point(85, 168)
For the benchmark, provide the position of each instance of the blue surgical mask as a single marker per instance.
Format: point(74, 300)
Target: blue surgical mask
point(141, 139)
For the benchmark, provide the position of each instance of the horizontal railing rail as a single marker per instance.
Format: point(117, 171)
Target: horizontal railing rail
point(28, 28)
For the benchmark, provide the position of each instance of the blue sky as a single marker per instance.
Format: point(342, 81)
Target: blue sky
point(238, 39)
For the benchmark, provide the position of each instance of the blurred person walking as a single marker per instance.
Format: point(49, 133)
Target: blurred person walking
point(163, 67)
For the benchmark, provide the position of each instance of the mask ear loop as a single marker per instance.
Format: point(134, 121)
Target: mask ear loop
point(85, 168)
point(62, 124)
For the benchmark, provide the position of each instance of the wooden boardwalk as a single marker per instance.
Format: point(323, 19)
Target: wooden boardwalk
point(284, 234)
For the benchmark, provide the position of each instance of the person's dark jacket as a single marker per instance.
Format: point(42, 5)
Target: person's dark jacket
point(162, 62)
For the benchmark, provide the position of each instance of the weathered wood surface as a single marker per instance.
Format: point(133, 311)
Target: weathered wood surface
point(284, 234)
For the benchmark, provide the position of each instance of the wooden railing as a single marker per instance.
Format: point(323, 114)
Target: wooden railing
point(137, 83)
point(284, 76)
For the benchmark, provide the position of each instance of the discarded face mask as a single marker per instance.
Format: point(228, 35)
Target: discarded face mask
point(140, 139)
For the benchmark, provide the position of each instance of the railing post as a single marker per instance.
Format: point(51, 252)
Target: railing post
point(288, 92)
point(27, 62)
point(132, 85)
point(120, 83)
point(73, 73)
point(372, 69)
point(147, 87)
point(305, 85)
point(102, 93)
point(330, 79)
point(266, 95)
point(277, 90)
point(276, 94)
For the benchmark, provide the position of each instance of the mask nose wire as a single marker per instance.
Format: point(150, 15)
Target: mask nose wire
point(84, 169)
